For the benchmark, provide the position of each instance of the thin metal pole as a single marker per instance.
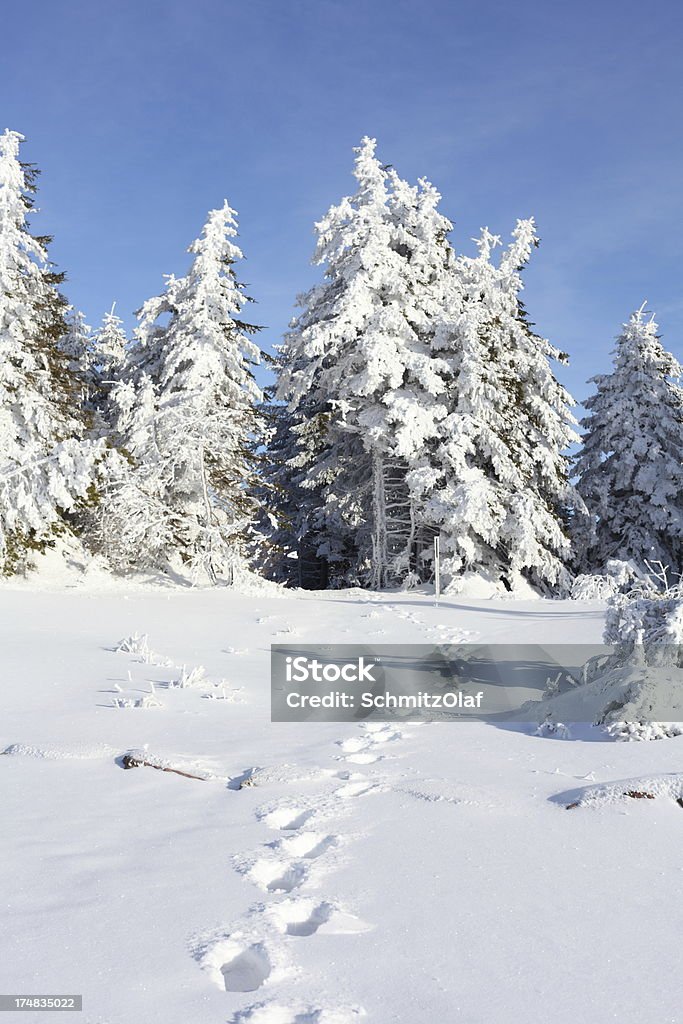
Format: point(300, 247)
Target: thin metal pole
point(437, 571)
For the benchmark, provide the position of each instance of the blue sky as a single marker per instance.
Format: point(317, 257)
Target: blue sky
point(143, 115)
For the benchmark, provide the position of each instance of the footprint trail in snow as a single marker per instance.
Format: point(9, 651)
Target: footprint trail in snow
point(259, 951)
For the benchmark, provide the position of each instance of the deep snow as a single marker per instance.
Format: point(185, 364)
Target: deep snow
point(410, 872)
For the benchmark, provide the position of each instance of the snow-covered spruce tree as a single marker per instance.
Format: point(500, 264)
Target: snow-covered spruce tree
point(631, 465)
point(413, 406)
point(357, 373)
point(135, 528)
point(284, 502)
point(497, 484)
point(106, 356)
point(304, 460)
point(109, 347)
point(47, 471)
point(77, 345)
point(195, 395)
point(96, 358)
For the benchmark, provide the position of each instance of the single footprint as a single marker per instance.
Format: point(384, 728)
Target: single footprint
point(363, 757)
point(276, 876)
point(247, 971)
point(378, 729)
point(305, 917)
point(288, 819)
point(307, 844)
point(355, 789)
point(354, 744)
point(301, 917)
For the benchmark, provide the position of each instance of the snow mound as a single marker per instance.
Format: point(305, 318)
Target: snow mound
point(630, 693)
point(637, 689)
point(481, 586)
point(647, 787)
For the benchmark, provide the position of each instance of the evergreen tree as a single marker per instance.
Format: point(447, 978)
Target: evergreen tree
point(282, 499)
point(107, 358)
point(109, 347)
point(77, 344)
point(631, 465)
point(201, 405)
point(135, 527)
point(46, 470)
point(357, 373)
point(497, 485)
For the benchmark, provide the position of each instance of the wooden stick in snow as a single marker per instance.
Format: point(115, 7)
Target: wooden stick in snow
point(130, 761)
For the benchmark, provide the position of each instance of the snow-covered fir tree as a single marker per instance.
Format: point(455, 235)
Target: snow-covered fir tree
point(630, 467)
point(135, 529)
point(497, 484)
point(357, 373)
point(194, 403)
point(109, 347)
point(107, 356)
point(96, 358)
point(47, 471)
point(78, 345)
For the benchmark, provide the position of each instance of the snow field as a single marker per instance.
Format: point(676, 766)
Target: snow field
point(316, 874)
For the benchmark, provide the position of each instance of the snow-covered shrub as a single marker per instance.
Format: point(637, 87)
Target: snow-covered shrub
point(549, 728)
point(630, 732)
point(133, 644)
point(646, 625)
point(191, 677)
point(617, 575)
point(589, 587)
point(149, 701)
point(635, 688)
point(138, 646)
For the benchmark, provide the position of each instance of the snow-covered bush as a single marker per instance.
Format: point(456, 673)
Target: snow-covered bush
point(138, 646)
point(636, 732)
point(616, 576)
point(592, 587)
point(646, 625)
point(635, 688)
point(556, 730)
